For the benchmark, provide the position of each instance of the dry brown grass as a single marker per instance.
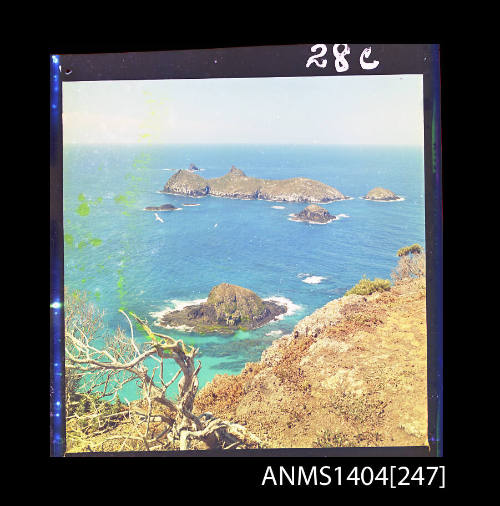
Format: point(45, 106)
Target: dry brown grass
point(288, 369)
point(335, 439)
point(125, 436)
point(224, 392)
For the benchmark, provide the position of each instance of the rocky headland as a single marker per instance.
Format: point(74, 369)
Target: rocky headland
point(353, 373)
point(314, 214)
point(228, 308)
point(381, 194)
point(237, 185)
point(164, 207)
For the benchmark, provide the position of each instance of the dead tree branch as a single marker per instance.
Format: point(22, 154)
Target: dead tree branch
point(104, 371)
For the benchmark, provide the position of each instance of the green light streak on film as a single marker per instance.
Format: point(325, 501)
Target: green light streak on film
point(127, 201)
point(77, 238)
point(78, 241)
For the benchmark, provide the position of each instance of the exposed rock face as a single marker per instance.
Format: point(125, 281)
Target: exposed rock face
point(227, 309)
point(164, 207)
point(236, 172)
point(381, 194)
point(314, 214)
point(184, 182)
point(236, 184)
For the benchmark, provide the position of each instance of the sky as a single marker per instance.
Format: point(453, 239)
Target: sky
point(359, 110)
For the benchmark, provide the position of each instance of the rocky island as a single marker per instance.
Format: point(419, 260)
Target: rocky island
point(227, 309)
point(164, 207)
point(381, 194)
point(237, 185)
point(314, 214)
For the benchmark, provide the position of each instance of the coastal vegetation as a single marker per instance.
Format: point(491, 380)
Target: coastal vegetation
point(156, 421)
point(411, 263)
point(366, 286)
point(353, 373)
point(414, 249)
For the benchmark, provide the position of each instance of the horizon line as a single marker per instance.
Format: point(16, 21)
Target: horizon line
point(233, 144)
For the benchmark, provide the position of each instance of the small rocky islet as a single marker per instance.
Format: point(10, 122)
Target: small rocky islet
point(228, 308)
point(381, 194)
point(164, 207)
point(314, 214)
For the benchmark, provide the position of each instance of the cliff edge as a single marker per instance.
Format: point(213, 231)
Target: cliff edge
point(353, 373)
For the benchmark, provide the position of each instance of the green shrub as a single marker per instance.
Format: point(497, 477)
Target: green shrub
point(413, 249)
point(366, 287)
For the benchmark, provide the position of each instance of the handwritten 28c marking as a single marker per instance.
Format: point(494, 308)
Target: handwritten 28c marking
point(341, 64)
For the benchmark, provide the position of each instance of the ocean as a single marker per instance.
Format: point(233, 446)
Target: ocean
point(123, 257)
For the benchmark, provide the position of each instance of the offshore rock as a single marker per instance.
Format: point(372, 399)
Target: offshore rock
point(381, 194)
point(227, 309)
point(164, 207)
point(314, 214)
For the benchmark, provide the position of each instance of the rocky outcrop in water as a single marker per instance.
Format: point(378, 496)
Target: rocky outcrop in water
point(227, 309)
point(236, 184)
point(164, 207)
point(314, 214)
point(381, 194)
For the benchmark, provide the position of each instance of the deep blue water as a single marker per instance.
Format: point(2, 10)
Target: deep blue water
point(124, 258)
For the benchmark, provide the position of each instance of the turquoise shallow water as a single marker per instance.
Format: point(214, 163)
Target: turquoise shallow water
point(124, 258)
